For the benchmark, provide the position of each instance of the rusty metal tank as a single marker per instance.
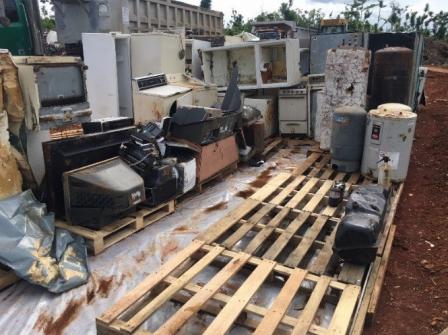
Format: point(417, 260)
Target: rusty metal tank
point(392, 74)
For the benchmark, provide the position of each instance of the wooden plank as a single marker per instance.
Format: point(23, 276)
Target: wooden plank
point(327, 174)
point(262, 235)
point(354, 178)
point(216, 230)
point(352, 273)
point(301, 194)
point(247, 226)
point(318, 196)
point(300, 251)
point(340, 176)
point(286, 236)
point(306, 164)
point(358, 324)
point(344, 310)
point(281, 303)
point(390, 218)
point(307, 316)
point(146, 285)
point(272, 185)
point(146, 311)
point(271, 146)
point(222, 323)
point(322, 164)
point(203, 295)
point(375, 297)
point(287, 190)
point(325, 253)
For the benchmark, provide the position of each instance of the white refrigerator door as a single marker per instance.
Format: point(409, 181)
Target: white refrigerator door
point(101, 81)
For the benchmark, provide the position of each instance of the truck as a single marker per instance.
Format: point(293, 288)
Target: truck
point(20, 28)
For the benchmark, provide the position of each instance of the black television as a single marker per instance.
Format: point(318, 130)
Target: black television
point(97, 194)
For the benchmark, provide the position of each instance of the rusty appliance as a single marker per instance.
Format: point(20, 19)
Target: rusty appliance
point(392, 72)
point(54, 91)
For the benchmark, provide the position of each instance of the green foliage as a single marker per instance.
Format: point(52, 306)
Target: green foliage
point(237, 24)
point(207, 4)
point(48, 23)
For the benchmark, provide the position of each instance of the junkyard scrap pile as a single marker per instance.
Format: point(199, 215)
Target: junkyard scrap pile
point(188, 182)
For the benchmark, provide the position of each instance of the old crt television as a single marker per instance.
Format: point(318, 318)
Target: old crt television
point(97, 194)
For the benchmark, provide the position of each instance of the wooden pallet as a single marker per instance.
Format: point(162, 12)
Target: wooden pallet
point(317, 165)
point(291, 237)
point(99, 240)
point(229, 287)
point(7, 278)
point(272, 146)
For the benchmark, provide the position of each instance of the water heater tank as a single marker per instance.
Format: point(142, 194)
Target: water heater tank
point(347, 138)
point(389, 132)
point(392, 72)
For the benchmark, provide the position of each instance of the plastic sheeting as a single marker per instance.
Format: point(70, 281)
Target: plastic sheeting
point(30, 245)
point(124, 265)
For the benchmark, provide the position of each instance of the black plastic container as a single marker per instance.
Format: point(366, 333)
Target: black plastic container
point(213, 128)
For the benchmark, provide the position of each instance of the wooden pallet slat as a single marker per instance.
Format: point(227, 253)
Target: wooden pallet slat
point(235, 306)
point(307, 316)
point(247, 226)
point(302, 193)
point(344, 310)
point(281, 242)
point(279, 307)
point(287, 190)
point(256, 242)
point(296, 256)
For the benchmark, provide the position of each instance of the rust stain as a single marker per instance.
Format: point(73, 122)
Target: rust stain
point(217, 207)
point(104, 286)
point(90, 294)
point(261, 179)
point(142, 255)
point(182, 228)
point(245, 193)
point(168, 249)
point(51, 326)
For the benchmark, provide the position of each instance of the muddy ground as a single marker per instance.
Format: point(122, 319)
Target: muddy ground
point(414, 298)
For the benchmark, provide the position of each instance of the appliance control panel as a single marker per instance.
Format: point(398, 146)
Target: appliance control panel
point(151, 81)
point(292, 91)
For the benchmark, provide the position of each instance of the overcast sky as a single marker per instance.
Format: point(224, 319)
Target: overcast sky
point(250, 8)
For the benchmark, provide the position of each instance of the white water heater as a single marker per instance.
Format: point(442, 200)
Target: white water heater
point(389, 132)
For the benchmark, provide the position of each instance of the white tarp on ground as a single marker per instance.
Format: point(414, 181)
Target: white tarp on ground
point(27, 309)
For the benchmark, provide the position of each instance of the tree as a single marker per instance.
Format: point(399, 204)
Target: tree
point(207, 4)
point(237, 24)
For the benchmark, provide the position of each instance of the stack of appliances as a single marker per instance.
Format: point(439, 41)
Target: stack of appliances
point(145, 154)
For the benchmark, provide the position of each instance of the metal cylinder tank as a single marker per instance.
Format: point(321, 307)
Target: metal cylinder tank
point(389, 132)
point(392, 73)
point(347, 138)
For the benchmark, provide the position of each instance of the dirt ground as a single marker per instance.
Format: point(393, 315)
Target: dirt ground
point(414, 298)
